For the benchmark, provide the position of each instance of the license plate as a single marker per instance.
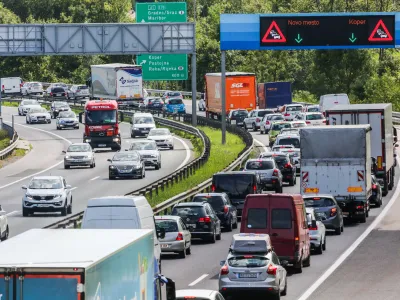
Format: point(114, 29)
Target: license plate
point(345, 213)
point(58, 94)
point(164, 246)
point(125, 171)
point(102, 145)
point(43, 205)
point(191, 226)
point(78, 160)
point(145, 131)
point(247, 275)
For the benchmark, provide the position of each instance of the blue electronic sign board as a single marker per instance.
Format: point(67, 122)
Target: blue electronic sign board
point(310, 31)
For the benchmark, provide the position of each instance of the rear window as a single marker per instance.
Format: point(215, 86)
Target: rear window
point(58, 90)
point(281, 218)
point(82, 87)
point(175, 101)
point(168, 225)
point(278, 127)
point(318, 202)
point(262, 113)
point(237, 113)
point(289, 141)
point(174, 94)
point(237, 186)
point(260, 165)
point(313, 109)
point(257, 218)
point(248, 261)
point(110, 218)
point(294, 108)
point(314, 117)
point(216, 202)
point(281, 161)
point(277, 118)
point(188, 211)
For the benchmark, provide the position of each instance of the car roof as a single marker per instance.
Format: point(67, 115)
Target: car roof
point(142, 115)
point(299, 121)
point(281, 122)
point(47, 177)
point(312, 113)
point(294, 104)
point(132, 201)
point(209, 194)
point(259, 159)
point(127, 151)
point(80, 144)
point(167, 217)
point(274, 154)
point(318, 196)
point(189, 204)
point(287, 136)
point(197, 293)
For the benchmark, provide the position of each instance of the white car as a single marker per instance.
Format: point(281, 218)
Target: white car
point(38, 115)
point(4, 229)
point(312, 118)
point(288, 139)
point(142, 123)
point(290, 111)
point(78, 91)
point(79, 154)
point(254, 118)
point(47, 194)
point(266, 122)
point(290, 131)
point(311, 108)
point(163, 137)
point(26, 105)
point(317, 231)
point(198, 294)
point(299, 124)
point(32, 88)
point(201, 104)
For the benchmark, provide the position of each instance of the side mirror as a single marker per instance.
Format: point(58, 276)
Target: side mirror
point(109, 159)
point(170, 289)
point(222, 262)
point(64, 151)
point(68, 186)
point(161, 233)
point(24, 187)
point(284, 263)
point(241, 169)
point(396, 145)
point(395, 139)
point(130, 122)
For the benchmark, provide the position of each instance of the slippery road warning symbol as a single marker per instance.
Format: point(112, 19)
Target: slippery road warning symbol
point(273, 34)
point(380, 33)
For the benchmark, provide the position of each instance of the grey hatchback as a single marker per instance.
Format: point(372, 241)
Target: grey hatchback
point(270, 176)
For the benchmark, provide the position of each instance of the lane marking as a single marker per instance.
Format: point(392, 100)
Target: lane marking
point(353, 247)
point(94, 178)
point(198, 280)
point(258, 142)
point(74, 188)
point(13, 213)
point(187, 158)
point(40, 172)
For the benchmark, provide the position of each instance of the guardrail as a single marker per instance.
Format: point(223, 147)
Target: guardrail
point(14, 138)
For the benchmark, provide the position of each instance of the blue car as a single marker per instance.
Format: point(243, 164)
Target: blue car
point(174, 105)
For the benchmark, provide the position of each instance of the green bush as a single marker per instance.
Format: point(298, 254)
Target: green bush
point(3, 134)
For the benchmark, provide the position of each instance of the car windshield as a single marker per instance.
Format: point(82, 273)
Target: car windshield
point(67, 114)
point(277, 118)
point(98, 117)
point(126, 157)
point(216, 202)
point(248, 261)
point(143, 120)
point(313, 109)
point(238, 113)
point(168, 225)
point(30, 102)
point(159, 132)
point(45, 184)
point(143, 146)
point(260, 165)
point(37, 110)
point(294, 108)
point(263, 113)
point(318, 202)
point(279, 126)
point(175, 101)
point(36, 84)
point(314, 117)
point(188, 211)
point(79, 148)
point(60, 104)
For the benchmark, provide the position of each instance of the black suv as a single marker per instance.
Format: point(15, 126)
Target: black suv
point(57, 107)
point(220, 202)
point(284, 164)
point(201, 220)
point(58, 93)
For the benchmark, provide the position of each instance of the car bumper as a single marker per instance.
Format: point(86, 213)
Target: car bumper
point(76, 125)
point(374, 199)
point(286, 177)
point(76, 162)
point(176, 246)
point(151, 162)
point(103, 142)
point(133, 173)
point(138, 132)
point(164, 144)
point(226, 286)
point(269, 184)
point(39, 121)
point(332, 223)
point(201, 235)
point(315, 241)
point(43, 207)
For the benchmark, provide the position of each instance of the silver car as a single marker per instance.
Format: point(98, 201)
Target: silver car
point(47, 194)
point(26, 105)
point(67, 119)
point(177, 237)
point(79, 154)
point(148, 151)
point(270, 176)
point(317, 231)
point(163, 137)
point(246, 270)
point(78, 91)
point(38, 115)
point(32, 88)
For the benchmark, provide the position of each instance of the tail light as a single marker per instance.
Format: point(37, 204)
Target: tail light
point(286, 115)
point(78, 91)
point(267, 122)
point(205, 220)
point(360, 207)
point(271, 270)
point(51, 94)
point(308, 122)
point(288, 166)
point(2, 87)
point(254, 188)
point(333, 212)
point(324, 121)
point(275, 173)
point(257, 119)
point(226, 209)
point(313, 228)
point(374, 186)
point(179, 237)
point(213, 187)
point(224, 270)
point(296, 244)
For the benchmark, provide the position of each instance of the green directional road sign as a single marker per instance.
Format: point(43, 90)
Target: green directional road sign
point(161, 12)
point(164, 66)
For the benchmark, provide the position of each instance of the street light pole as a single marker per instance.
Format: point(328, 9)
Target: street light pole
point(223, 98)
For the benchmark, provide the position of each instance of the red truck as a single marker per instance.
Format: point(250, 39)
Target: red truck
point(101, 124)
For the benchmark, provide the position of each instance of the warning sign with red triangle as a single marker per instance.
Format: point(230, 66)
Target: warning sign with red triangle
point(380, 33)
point(273, 34)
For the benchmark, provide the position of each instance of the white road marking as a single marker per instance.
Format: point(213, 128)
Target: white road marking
point(74, 188)
point(94, 178)
point(198, 280)
point(353, 247)
point(258, 142)
point(40, 172)
point(187, 153)
point(13, 213)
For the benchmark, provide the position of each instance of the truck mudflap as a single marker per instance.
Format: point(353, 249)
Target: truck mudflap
point(16, 284)
point(353, 209)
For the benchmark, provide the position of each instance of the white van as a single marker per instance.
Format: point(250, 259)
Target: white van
point(11, 85)
point(142, 123)
point(122, 212)
point(330, 100)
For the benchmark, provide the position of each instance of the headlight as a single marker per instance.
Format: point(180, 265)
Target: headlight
point(153, 156)
point(29, 197)
point(58, 196)
point(112, 167)
point(88, 140)
point(67, 156)
point(115, 139)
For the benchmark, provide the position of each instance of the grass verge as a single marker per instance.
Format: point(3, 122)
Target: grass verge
point(220, 157)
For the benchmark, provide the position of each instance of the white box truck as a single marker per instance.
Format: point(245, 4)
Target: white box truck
point(11, 86)
point(121, 82)
point(379, 116)
point(336, 160)
point(328, 101)
point(68, 264)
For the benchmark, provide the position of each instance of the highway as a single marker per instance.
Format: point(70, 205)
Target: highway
point(46, 158)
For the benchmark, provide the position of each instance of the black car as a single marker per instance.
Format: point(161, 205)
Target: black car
point(376, 197)
point(237, 185)
point(57, 107)
point(237, 116)
point(220, 202)
point(285, 165)
point(155, 103)
point(200, 219)
point(58, 93)
point(126, 164)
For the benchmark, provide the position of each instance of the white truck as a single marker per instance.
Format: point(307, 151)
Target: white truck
point(120, 82)
point(11, 86)
point(379, 116)
point(336, 160)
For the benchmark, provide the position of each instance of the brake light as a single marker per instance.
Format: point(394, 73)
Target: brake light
point(254, 188)
point(213, 188)
point(333, 212)
point(360, 207)
point(257, 119)
point(51, 94)
point(248, 256)
point(374, 186)
point(275, 173)
point(286, 115)
point(288, 166)
point(189, 297)
point(179, 237)
point(267, 122)
point(271, 270)
point(316, 198)
point(205, 220)
point(226, 209)
point(224, 270)
point(313, 228)
point(324, 121)
point(2, 87)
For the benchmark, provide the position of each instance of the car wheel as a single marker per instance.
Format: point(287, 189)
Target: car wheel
point(182, 254)
point(66, 167)
point(229, 227)
point(298, 268)
point(171, 148)
point(132, 135)
point(235, 225)
point(6, 234)
point(261, 131)
point(64, 210)
point(58, 128)
point(253, 126)
point(295, 178)
point(49, 122)
point(25, 212)
point(318, 250)
point(212, 239)
point(364, 217)
point(307, 262)
point(188, 251)
point(218, 237)
point(291, 182)
point(324, 244)
point(69, 209)
point(92, 165)
point(276, 296)
point(338, 231)
point(111, 177)
point(157, 166)
point(342, 228)
point(284, 292)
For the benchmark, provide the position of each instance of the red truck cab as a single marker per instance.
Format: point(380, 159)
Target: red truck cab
point(101, 124)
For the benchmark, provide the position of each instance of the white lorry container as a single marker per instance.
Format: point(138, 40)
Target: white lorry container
point(11, 85)
point(330, 100)
point(121, 82)
point(379, 116)
point(330, 164)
